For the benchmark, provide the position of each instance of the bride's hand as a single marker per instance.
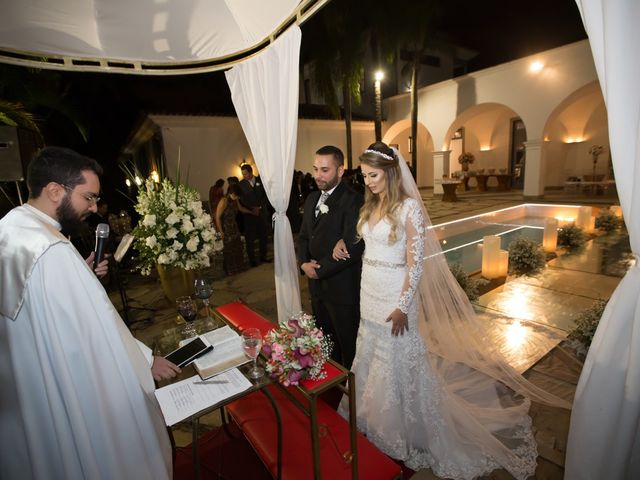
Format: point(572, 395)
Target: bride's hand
point(340, 251)
point(399, 322)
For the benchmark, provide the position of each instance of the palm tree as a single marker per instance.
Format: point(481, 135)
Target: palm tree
point(338, 61)
point(15, 115)
point(407, 26)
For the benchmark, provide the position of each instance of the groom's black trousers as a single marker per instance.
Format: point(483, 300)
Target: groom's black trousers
point(341, 323)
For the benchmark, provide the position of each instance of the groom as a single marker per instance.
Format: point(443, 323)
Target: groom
point(331, 214)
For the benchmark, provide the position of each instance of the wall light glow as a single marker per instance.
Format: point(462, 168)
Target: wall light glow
point(485, 148)
point(574, 139)
point(536, 66)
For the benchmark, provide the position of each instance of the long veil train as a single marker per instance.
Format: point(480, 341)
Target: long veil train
point(473, 373)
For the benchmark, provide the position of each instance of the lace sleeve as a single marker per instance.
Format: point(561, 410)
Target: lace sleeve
point(414, 229)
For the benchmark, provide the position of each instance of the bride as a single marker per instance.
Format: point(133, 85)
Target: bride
point(431, 390)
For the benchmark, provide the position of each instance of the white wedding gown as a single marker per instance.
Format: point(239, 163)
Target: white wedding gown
point(402, 404)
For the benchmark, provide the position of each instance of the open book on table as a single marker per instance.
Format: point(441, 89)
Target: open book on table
point(227, 352)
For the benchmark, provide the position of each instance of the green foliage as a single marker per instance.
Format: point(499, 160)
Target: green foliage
point(15, 115)
point(468, 284)
point(525, 257)
point(587, 323)
point(607, 221)
point(571, 237)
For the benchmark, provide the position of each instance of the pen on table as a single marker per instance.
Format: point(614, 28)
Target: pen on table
point(210, 382)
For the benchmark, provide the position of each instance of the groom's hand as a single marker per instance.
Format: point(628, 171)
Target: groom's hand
point(309, 269)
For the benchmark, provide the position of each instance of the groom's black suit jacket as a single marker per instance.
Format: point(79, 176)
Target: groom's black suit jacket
point(338, 281)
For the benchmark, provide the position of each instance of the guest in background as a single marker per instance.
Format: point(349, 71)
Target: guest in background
point(216, 192)
point(254, 199)
point(239, 219)
point(226, 224)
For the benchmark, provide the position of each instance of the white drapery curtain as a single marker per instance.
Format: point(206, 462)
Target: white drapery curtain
point(264, 90)
point(604, 438)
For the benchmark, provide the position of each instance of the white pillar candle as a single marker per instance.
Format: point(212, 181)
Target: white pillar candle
point(550, 236)
point(490, 256)
point(503, 263)
point(584, 218)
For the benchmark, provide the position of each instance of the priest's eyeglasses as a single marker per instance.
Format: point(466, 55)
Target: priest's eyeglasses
point(91, 198)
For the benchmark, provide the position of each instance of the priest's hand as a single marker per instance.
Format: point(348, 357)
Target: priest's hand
point(103, 267)
point(163, 369)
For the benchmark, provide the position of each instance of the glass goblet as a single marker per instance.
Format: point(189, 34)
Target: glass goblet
point(203, 290)
point(187, 309)
point(252, 343)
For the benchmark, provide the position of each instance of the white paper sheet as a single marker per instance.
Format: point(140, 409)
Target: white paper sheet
point(182, 399)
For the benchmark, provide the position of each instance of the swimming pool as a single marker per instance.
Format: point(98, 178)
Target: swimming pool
point(461, 240)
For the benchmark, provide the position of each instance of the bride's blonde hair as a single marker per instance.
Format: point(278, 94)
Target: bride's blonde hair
point(380, 155)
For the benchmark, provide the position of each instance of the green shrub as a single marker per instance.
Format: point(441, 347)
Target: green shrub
point(607, 221)
point(525, 257)
point(587, 322)
point(468, 284)
point(571, 237)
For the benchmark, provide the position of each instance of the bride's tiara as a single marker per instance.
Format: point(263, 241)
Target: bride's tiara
point(383, 155)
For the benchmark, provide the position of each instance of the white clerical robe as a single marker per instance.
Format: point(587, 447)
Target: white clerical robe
point(76, 396)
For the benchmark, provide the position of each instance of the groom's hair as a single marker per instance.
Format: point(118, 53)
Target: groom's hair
point(338, 156)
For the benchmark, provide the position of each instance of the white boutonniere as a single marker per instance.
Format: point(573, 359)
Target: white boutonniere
point(324, 208)
point(257, 184)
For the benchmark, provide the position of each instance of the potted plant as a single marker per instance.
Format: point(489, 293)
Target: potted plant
point(465, 159)
point(571, 236)
point(607, 221)
point(468, 284)
point(174, 235)
point(525, 257)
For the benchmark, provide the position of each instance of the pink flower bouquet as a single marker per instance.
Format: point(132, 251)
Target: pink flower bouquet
point(296, 350)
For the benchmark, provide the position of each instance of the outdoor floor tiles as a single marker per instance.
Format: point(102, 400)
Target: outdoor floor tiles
point(521, 300)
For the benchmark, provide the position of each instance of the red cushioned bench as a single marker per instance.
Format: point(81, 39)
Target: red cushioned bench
point(256, 419)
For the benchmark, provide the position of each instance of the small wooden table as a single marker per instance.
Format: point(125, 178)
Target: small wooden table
point(449, 189)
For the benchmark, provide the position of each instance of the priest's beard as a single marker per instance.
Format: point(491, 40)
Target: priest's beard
point(69, 219)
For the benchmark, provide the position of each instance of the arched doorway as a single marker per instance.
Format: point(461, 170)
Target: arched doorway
point(398, 135)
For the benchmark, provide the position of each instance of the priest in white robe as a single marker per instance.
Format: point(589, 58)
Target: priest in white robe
point(77, 389)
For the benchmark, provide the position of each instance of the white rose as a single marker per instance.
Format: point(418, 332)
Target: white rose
point(207, 235)
point(176, 245)
point(172, 233)
point(163, 259)
point(192, 244)
point(324, 208)
point(151, 241)
point(187, 226)
point(149, 220)
point(196, 207)
point(200, 222)
point(172, 219)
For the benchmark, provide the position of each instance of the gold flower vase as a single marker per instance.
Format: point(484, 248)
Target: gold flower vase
point(176, 282)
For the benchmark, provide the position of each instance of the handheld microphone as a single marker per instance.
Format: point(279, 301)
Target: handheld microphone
point(102, 235)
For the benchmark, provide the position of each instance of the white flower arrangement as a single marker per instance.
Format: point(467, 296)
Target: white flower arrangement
point(324, 208)
point(174, 229)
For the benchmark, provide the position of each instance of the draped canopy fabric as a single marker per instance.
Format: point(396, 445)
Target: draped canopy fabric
point(604, 437)
point(264, 90)
point(155, 32)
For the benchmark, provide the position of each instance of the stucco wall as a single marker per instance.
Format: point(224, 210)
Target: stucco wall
point(214, 147)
